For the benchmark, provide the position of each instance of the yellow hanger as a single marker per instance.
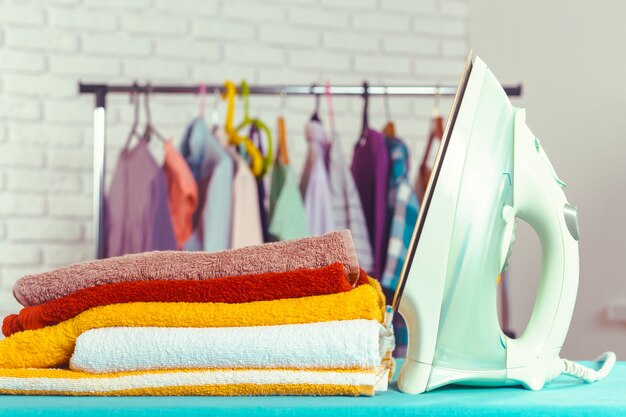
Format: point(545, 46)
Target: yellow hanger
point(247, 120)
point(256, 165)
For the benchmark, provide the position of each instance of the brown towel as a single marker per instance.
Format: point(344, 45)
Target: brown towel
point(310, 252)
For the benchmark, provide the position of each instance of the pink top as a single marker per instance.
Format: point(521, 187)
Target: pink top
point(315, 185)
point(182, 193)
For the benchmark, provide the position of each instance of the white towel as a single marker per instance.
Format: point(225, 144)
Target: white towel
point(349, 344)
point(198, 382)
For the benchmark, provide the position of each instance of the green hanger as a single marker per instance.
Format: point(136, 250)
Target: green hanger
point(268, 159)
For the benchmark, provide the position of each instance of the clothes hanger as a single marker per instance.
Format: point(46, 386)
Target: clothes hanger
point(268, 158)
point(150, 129)
point(365, 125)
point(436, 134)
point(215, 111)
point(134, 99)
point(245, 95)
point(282, 152)
point(234, 138)
point(331, 111)
point(436, 103)
point(315, 116)
point(390, 129)
point(202, 101)
point(437, 129)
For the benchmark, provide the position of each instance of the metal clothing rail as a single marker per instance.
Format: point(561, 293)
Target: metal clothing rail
point(100, 92)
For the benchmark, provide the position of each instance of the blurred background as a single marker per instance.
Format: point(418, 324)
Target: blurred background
point(569, 57)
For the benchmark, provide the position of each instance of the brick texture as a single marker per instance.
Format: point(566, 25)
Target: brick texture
point(47, 47)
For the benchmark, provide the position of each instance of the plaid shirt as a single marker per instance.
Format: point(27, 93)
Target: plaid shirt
point(403, 208)
point(402, 212)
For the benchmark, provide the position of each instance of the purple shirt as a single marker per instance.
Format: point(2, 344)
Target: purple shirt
point(138, 218)
point(255, 134)
point(370, 168)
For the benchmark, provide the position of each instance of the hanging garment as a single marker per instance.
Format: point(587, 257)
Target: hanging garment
point(370, 168)
point(255, 134)
point(314, 183)
point(246, 219)
point(213, 168)
point(287, 214)
point(138, 218)
point(182, 193)
point(432, 147)
point(347, 207)
point(403, 209)
point(262, 210)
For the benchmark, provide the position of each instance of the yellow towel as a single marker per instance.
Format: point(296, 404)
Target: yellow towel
point(53, 346)
point(214, 382)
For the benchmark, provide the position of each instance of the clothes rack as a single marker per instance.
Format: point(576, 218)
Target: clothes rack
point(100, 92)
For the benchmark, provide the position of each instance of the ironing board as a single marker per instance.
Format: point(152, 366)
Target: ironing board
point(565, 397)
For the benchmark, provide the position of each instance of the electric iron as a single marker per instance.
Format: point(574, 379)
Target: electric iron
point(490, 171)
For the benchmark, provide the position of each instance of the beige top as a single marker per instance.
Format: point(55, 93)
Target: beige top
point(246, 227)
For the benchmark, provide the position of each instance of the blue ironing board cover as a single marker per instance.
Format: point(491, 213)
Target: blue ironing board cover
point(564, 397)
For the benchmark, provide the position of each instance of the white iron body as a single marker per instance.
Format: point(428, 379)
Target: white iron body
point(490, 171)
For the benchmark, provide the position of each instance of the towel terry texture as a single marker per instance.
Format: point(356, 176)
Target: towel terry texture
point(313, 252)
point(53, 346)
point(247, 288)
point(224, 382)
point(348, 344)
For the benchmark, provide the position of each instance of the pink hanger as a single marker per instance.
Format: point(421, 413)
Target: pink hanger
point(202, 93)
point(331, 112)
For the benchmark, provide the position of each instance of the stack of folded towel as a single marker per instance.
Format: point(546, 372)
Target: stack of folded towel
point(296, 317)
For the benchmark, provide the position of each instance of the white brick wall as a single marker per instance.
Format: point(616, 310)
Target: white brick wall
point(46, 47)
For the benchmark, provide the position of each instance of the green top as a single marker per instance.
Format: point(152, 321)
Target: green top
point(287, 215)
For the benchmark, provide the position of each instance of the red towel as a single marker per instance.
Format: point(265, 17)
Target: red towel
point(240, 289)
